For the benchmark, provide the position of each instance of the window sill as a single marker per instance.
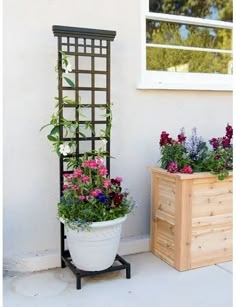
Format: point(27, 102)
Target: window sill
point(150, 80)
point(184, 87)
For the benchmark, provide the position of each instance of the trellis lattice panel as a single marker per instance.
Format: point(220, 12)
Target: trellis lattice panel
point(88, 51)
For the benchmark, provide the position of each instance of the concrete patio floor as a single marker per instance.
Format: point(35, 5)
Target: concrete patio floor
point(153, 283)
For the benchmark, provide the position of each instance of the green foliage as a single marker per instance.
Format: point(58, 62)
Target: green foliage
point(81, 216)
point(218, 162)
point(195, 8)
point(168, 33)
point(174, 153)
point(165, 59)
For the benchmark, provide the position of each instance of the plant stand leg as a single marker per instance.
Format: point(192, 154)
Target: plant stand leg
point(78, 282)
point(63, 265)
point(128, 271)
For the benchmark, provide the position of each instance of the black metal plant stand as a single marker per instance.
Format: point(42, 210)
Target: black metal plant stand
point(89, 50)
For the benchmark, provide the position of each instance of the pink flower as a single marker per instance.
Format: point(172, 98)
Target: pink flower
point(66, 175)
point(106, 183)
point(95, 192)
point(77, 173)
point(99, 161)
point(92, 164)
point(85, 179)
point(82, 198)
point(102, 170)
point(172, 167)
point(65, 187)
point(86, 163)
point(187, 169)
point(118, 179)
point(75, 187)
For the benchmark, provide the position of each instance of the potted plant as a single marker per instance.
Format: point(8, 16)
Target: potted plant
point(191, 224)
point(193, 155)
point(93, 208)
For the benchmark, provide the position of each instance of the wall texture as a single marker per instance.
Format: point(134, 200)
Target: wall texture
point(31, 185)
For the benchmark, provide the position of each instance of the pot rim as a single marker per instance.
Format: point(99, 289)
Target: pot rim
point(119, 220)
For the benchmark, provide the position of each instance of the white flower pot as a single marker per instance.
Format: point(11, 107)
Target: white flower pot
point(95, 249)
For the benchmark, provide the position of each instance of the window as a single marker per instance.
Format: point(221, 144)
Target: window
point(187, 44)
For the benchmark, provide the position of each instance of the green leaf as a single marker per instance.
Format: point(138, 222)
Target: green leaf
point(62, 52)
point(71, 83)
point(52, 138)
point(82, 134)
point(69, 101)
point(54, 130)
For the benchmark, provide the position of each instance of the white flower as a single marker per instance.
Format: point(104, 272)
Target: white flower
point(64, 149)
point(67, 67)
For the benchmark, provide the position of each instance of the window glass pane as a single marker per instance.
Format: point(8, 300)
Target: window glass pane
point(187, 35)
point(207, 9)
point(177, 60)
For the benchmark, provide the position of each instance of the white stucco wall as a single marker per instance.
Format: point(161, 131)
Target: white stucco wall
point(31, 185)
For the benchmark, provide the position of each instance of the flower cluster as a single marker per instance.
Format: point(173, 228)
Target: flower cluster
point(89, 195)
point(195, 146)
point(165, 139)
point(225, 141)
point(188, 155)
point(221, 158)
point(174, 155)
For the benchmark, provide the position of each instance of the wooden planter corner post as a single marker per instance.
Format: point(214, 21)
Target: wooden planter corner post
point(191, 218)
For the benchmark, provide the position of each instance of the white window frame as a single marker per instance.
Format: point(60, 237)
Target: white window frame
point(177, 80)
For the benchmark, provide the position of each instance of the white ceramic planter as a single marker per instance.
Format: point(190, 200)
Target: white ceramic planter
point(95, 250)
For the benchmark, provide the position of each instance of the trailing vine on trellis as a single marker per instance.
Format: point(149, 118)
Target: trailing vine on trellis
point(70, 127)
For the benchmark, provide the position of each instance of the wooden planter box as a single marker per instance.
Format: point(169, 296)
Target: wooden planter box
point(191, 218)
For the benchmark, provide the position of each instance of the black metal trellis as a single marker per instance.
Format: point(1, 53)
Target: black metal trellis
point(90, 53)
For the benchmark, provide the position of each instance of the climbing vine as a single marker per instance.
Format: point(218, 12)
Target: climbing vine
point(72, 127)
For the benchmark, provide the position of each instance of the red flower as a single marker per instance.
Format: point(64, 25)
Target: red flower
point(165, 139)
point(187, 169)
point(118, 199)
point(115, 181)
point(229, 131)
point(215, 143)
point(225, 142)
point(181, 138)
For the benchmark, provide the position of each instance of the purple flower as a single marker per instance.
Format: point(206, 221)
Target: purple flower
point(102, 198)
point(215, 143)
point(172, 167)
point(225, 142)
point(229, 131)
